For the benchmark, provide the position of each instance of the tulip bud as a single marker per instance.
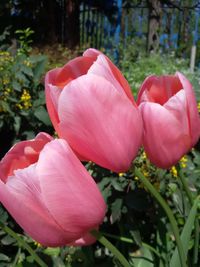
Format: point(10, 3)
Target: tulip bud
point(91, 106)
point(49, 192)
point(170, 118)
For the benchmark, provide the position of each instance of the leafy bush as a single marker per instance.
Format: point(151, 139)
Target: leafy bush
point(136, 69)
point(134, 222)
point(22, 103)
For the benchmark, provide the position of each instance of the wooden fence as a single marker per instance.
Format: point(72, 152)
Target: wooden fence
point(97, 30)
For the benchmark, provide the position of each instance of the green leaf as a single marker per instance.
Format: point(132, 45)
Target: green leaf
point(3, 215)
point(145, 260)
point(52, 251)
point(185, 235)
point(3, 257)
point(7, 240)
point(117, 186)
point(137, 237)
point(39, 69)
point(17, 124)
point(42, 115)
point(116, 210)
point(17, 86)
point(27, 70)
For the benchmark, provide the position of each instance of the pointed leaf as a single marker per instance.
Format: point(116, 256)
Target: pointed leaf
point(145, 260)
point(185, 235)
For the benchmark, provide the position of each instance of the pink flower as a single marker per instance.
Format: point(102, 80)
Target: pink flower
point(170, 117)
point(91, 106)
point(49, 193)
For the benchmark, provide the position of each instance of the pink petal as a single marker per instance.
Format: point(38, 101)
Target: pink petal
point(110, 67)
point(105, 68)
point(73, 69)
point(52, 94)
point(101, 68)
point(22, 155)
point(177, 105)
point(159, 89)
point(69, 192)
point(57, 78)
point(21, 196)
point(192, 111)
point(123, 82)
point(86, 240)
point(92, 52)
point(165, 138)
point(99, 123)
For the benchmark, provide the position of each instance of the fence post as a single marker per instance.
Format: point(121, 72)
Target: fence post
point(192, 58)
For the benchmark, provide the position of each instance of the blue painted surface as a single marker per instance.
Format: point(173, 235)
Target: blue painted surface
point(132, 23)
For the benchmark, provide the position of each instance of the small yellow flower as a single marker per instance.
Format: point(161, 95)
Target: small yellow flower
point(27, 63)
point(146, 173)
point(37, 244)
point(25, 100)
point(5, 81)
point(198, 106)
point(174, 171)
point(183, 162)
point(144, 155)
point(121, 174)
point(19, 106)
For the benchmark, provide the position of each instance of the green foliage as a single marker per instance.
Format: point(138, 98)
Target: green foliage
point(134, 222)
point(25, 39)
point(22, 102)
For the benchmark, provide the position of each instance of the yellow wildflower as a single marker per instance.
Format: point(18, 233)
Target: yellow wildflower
point(144, 155)
point(198, 106)
point(183, 162)
point(37, 244)
point(174, 171)
point(25, 100)
point(146, 173)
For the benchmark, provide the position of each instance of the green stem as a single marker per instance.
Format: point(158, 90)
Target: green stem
point(104, 241)
point(196, 224)
point(128, 240)
point(185, 186)
point(120, 238)
point(36, 258)
point(168, 212)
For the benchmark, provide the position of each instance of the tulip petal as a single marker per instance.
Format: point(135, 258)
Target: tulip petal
point(21, 196)
point(105, 68)
point(95, 119)
point(56, 79)
point(192, 110)
point(52, 94)
point(22, 155)
point(101, 68)
point(165, 139)
point(159, 89)
point(86, 240)
point(92, 52)
point(73, 69)
point(69, 192)
point(177, 105)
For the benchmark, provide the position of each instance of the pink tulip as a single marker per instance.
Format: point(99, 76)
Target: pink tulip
point(170, 117)
point(91, 106)
point(49, 193)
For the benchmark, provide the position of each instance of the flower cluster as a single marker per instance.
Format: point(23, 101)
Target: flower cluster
point(12, 81)
point(97, 119)
point(25, 100)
